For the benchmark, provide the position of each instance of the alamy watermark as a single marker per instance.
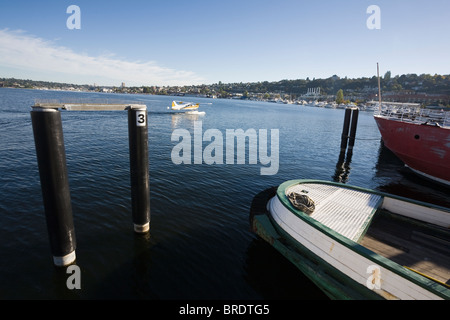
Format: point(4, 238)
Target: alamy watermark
point(74, 280)
point(213, 153)
point(74, 20)
point(374, 20)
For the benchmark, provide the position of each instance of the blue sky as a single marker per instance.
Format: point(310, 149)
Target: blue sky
point(175, 42)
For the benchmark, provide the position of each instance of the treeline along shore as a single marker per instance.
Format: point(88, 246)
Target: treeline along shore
point(425, 89)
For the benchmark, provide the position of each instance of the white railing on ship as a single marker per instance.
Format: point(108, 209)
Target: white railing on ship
point(415, 115)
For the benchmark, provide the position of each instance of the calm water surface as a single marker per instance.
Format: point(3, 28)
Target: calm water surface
point(200, 246)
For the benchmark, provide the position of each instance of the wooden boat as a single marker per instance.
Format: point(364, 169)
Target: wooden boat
point(358, 243)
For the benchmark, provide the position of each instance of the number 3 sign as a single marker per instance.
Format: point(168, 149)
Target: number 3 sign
point(140, 118)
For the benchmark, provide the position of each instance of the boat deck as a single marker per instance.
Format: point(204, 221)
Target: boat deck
point(346, 211)
point(412, 113)
point(423, 249)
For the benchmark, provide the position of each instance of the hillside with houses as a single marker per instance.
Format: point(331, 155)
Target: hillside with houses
point(424, 89)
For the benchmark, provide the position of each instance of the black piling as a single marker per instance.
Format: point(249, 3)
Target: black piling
point(139, 168)
point(351, 138)
point(350, 124)
point(344, 136)
point(51, 158)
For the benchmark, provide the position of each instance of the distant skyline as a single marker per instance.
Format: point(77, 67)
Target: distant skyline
point(146, 43)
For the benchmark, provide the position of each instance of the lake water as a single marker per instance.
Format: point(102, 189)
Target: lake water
point(199, 245)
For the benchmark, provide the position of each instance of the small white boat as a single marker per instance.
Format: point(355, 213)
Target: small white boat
point(356, 243)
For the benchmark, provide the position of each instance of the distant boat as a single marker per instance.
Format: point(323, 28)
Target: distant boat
point(321, 104)
point(184, 106)
point(370, 106)
point(417, 136)
point(356, 243)
point(301, 102)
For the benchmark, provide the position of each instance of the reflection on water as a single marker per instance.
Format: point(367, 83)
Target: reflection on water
point(180, 119)
point(398, 179)
point(343, 166)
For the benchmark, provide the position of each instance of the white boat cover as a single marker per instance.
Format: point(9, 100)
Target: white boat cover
point(346, 211)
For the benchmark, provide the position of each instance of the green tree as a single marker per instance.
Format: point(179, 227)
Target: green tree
point(340, 97)
point(223, 93)
point(397, 87)
point(146, 90)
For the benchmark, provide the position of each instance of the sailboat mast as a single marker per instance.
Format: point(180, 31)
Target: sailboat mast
point(379, 88)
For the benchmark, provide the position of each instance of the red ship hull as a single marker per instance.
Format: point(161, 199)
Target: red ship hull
point(423, 148)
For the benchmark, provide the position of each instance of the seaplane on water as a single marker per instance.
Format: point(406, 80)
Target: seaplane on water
point(184, 106)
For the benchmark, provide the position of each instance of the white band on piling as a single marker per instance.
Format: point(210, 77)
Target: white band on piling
point(65, 260)
point(142, 228)
point(138, 107)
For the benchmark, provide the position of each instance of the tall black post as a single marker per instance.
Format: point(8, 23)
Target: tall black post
point(51, 158)
point(351, 141)
point(344, 136)
point(139, 168)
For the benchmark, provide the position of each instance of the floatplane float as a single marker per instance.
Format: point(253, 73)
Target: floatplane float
point(188, 107)
point(356, 243)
